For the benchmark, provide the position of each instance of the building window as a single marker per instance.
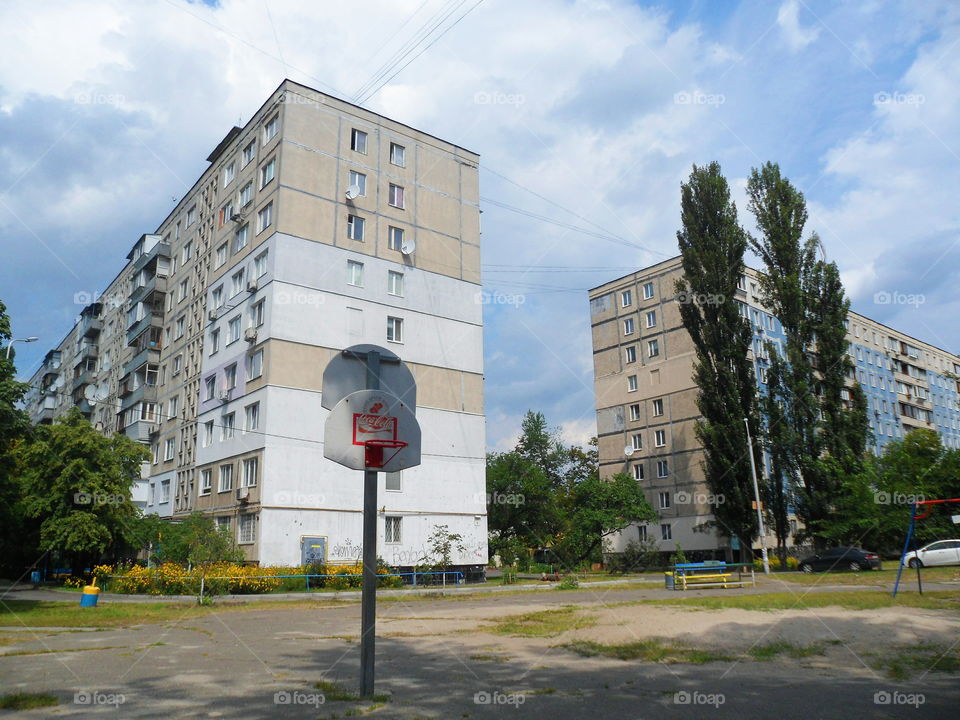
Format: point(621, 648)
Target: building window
point(653, 348)
point(177, 364)
point(256, 314)
point(271, 127)
point(642, 532)
point(664, 500)
point(648, 291)
point(358, 141)
point(398, 155)
point(228, 428)
point(229, 172)
point(396, 196)
point(182, 291)
point(355, 227)
point(246, 194)
point(632, 383)
point(658, 406)
point(214, 341)
point(164, 491)
point(210, 388)
point(360, 180)
point(251, 417)
point(250, 472)
point(395, 329)
point(395, 283)
point(354, 273)
point(230, 376)
point(635, 412)
point(180, 325)
point(240, 237)
point(191, 215)
point(663, 469)
point(208, 433)
point(221, 256)
point(265, 218)
point(249, 150)
point(395, 238)
point(666, 532)
point(652, 319)
point(626, 298)
point(226, 478)
point(393, 481)
point(247, 530)
point(636, 441)
point(187, 251)
point(638, 472)
point(233, 330)
point(236, 283)
point(392, 527)
point(173, 407)
point(205, 482)
point(255, 365)
point(628, 326)
point(170, 449)
point(660, 438)
point(260, 265)
point(630, 354)
point(223, 523)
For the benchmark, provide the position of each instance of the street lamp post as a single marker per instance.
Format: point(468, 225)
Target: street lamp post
point(756, 494)
point(16, 340)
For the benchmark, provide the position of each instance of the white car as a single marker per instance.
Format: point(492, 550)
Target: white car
point(941, 552)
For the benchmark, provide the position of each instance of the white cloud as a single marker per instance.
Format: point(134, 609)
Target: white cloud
point(796, 36)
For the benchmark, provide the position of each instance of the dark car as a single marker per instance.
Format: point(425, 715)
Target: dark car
point(841, 558)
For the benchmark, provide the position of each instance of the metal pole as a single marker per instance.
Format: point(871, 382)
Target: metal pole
point(368, 607)
point(756, 494)
point(906, 546)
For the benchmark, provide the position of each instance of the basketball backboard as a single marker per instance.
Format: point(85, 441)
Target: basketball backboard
point(372, 430)
point(347, 372)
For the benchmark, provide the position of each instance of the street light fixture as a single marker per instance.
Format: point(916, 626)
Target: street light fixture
point(16, 340)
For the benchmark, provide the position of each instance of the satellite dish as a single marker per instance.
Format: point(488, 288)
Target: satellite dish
point(407, 247)
point(58, 383)
point(103, 391)
point(353, 191)
point(90, 393)
point(628, 450)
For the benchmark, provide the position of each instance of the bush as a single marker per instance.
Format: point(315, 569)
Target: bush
point(569, 582)
point(636, 557)
point(774, 560)
point(678, 558)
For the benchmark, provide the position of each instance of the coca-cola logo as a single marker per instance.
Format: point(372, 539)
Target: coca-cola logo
point(371, 422)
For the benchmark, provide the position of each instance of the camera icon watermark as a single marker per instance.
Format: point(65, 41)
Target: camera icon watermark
point(87, 498)
point(896, 297)
point(883, 497)
point(898, 98)
point(895, 697)
point(285, 497)
point(496, 697)
point(684, 697)
point(499, 498)
point(498, 98)
point(97, 697)
point(295, 697)
point(696, 97)
point(698, 498)
point(300, 297)
point(99, 98)
point(498, 298)
point(686, 297)
point(85, 297)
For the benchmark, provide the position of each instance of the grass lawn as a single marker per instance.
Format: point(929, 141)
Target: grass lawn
point(545, 623)
point(26, 701)
point(938, 600)
point(871, 577)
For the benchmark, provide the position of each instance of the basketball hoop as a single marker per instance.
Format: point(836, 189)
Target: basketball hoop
point(373, 451)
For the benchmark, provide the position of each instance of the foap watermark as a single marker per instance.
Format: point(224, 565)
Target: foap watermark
point(896, 498)
point(499, 498)
point(98, 697)
point(299, 297)
point(495, 97)
point(896, 297)
point(84, 297)
point(684, 697)
point(698, 498)
point(295, 697)
point(300, 499)
point(99, 98)
point(498, 298)
point(895, 697)
point(898, 98)
point(86, 498)
point(495, 697)
point(696, 97)
point(685, 297)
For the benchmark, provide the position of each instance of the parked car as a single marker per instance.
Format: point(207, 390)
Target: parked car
point(841, 558)
point(941, 552)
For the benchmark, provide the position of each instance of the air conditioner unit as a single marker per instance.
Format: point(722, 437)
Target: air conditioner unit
point(251, 285)
point(237, 217)
point(212, 315)
point(250, 334)
point(224, 395)
point(243, 494)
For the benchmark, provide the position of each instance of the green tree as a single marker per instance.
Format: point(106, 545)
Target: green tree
point(77, 483)
point(521, 506)
point(712, 246)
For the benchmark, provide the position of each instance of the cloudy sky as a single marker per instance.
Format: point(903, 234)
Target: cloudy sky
point(585, 114)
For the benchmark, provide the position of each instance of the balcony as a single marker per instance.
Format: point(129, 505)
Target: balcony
point(143, 393)
point(87, 377)
point(145, 293)
point(148, 321)
point(90, 325)
point(161, 249)
point(47, 409)
point(140, 430)
point(147, 355)
point(126, 385)
point(88, 351)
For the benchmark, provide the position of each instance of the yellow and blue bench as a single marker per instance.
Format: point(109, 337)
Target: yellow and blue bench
point(707, 574)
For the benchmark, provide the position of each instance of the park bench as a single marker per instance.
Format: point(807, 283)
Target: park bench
point(711, 573)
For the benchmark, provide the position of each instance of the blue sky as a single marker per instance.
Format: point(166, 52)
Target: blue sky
point(586, 113)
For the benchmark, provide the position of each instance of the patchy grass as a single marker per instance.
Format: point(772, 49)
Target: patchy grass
point(650, 650)
point(939, 600)
point(63, 650)
point(770, 650)
point(27, 701)
point(903, 662)
point(490, 658)
point(544, 623)
point(333, 692)
point(868, 577)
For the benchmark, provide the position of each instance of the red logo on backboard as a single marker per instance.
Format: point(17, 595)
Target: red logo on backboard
point(370, 425)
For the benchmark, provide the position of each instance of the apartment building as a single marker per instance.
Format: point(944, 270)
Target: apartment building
point(318, 225)
point(646, 396)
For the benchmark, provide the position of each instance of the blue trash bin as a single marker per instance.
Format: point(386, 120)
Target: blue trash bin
point(35, 577)
point(91, 593)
